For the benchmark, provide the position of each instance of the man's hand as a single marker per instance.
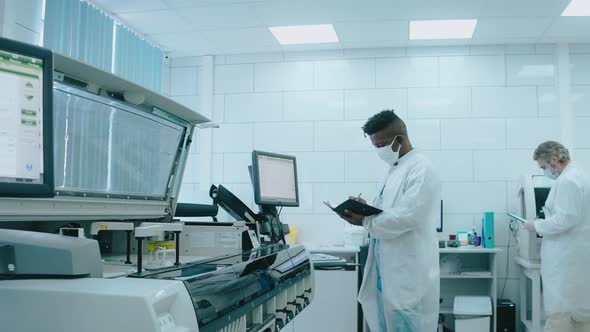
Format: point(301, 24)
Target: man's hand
point(358, 199)
point(353, 218)
point(530, 226)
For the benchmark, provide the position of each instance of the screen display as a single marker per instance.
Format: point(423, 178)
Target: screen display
point(21, 119)
point(277, 179)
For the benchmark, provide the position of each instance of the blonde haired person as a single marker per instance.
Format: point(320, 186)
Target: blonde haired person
point(565, 253)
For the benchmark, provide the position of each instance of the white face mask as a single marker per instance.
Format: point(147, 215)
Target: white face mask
point(387, 154)
point(550, 174)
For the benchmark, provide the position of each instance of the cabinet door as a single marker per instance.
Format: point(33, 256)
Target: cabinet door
point(334, 306)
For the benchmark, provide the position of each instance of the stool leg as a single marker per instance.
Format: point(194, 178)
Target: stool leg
point(128, 261)
point(177, 235)
point(139, 255)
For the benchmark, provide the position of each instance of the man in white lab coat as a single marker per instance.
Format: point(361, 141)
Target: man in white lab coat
point(400, 290)
point(565, 248)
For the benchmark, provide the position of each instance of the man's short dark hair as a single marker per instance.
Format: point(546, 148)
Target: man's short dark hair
point(381, 121)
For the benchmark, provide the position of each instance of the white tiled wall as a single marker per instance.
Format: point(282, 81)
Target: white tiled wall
point(580, 64)
point(442, 102)
point(344, 74)
point(359, 104)
point(406, 72)
point(284, 136)
point(254, 107)
point(233, 138)
point(283, 76)
point(476, 112)
point(473, 134)
point(183, 81)
point(321, 167)
point(314, 105)
point(234, 78)
point(530, 70)
point(504, 101)
point(21, 20)
point(467, 71)
point(526, 133)
point(339, 136)
point(425, 133)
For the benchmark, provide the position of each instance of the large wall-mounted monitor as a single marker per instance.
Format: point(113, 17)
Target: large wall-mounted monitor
point(26, 149)
point(275, 179)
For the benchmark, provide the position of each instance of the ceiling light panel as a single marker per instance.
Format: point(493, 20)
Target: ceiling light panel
point(305, 34)
point(442, 29)
point(577, 8)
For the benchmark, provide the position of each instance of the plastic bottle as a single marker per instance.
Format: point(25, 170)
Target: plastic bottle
point(476, 239)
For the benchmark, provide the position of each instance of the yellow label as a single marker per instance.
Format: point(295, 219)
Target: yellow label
point(103, 227)
point(151, 246)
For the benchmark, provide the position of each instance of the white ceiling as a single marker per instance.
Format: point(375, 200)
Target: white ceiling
point(197, 27)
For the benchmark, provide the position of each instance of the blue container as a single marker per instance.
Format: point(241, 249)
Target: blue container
point(488, 229)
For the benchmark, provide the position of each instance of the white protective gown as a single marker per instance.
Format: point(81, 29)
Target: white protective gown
point(406, 298)
point(565, 248)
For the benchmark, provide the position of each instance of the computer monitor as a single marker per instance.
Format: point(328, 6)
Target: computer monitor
point(275, 179)
point(26, 135)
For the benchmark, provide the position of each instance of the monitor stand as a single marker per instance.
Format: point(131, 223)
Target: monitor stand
point(276, 230)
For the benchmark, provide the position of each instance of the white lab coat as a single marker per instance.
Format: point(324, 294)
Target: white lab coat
point(565, 248)
point(409, 260)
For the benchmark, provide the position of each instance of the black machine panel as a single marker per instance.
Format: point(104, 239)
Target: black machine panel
point(281, 268)
point(215, 294)
point(541, 195)
point(219, 289)
point(254, 278)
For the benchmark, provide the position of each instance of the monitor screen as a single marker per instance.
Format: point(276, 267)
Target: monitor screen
point(26, 75)
point(275, 179)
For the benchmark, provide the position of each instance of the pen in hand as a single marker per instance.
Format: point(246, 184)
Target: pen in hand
point(357, 198)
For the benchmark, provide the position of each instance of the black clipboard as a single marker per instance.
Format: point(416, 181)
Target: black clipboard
point(354, 206)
